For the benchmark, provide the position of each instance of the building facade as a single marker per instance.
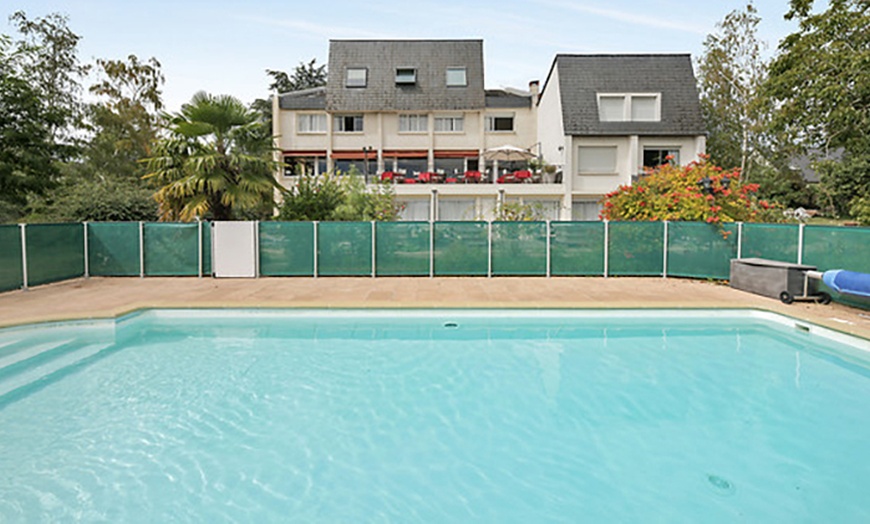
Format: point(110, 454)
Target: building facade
point(416, 113)
point(603, 118)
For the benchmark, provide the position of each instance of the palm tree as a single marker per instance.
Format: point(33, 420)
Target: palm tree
point(214, 162)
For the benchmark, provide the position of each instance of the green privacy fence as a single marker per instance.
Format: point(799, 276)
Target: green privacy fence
point(287, 249)
point(11, 272)
point(577, 248)
point(38, 254)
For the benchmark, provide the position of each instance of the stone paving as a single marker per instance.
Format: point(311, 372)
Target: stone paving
point(102, 297)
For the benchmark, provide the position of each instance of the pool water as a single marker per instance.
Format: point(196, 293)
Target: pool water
point(432, 416)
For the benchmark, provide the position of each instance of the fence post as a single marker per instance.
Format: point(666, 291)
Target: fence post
point(87, 257)
point(23, 228)
point(141, 249)
point(800, 256)
point(431, 249)
point(374, 250)
point(606, 248)
point(256, 249)
point(316, 262)
point(548, 249)
point(739, 240)
point(489, 249)
point(665, 252)
point(199, 247)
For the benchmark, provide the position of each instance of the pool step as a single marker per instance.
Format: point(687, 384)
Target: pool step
point(44, 364)
point(12, 355)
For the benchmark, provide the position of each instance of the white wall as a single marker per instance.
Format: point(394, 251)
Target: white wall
point(551, 130)
point(599, 184)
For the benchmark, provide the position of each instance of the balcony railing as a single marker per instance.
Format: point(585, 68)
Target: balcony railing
point(468, 177)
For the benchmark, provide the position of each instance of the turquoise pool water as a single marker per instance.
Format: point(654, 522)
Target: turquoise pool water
point(433, 416)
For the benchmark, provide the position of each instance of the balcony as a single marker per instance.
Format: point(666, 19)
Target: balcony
point(523, 176)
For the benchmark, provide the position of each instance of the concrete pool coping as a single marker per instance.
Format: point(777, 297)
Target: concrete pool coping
point(108, 297)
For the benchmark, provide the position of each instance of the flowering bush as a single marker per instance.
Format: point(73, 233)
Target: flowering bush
point(698, 192)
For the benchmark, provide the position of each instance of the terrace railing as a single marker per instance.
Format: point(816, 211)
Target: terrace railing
point(41, 253)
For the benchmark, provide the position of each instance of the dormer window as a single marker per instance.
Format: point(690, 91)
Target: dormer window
point(629, 107)
point(406, 76)
point(356, 77)
point(456, 77)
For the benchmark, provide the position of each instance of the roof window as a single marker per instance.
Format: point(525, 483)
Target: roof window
point(406, 76)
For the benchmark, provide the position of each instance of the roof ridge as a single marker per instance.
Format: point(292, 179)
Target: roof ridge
point(620, 55)
point(306, 91)
point(378, 40)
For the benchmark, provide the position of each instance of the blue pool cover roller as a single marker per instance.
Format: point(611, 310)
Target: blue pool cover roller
point(849, 282)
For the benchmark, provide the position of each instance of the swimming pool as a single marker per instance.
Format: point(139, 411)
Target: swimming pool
point(433, 416)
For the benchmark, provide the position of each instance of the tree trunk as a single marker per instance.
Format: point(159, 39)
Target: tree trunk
point(219, 211)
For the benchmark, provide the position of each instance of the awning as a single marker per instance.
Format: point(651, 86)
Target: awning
point(311, 152)
point(406, 154)
point(458, 153)
point(353, 155)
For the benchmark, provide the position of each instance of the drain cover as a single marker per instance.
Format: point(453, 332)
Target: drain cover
point(721, 485)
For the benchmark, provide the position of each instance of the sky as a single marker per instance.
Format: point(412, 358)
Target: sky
point(224, 47)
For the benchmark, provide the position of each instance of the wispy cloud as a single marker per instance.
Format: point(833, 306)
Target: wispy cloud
point(320, 31)
point(635, 18)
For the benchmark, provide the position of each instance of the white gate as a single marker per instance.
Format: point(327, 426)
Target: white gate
point(234, 249)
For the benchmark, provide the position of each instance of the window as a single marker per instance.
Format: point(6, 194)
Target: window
point(356, 77)
point(357, 167)
point(299, 166)
point(413, 123)
point(654, 157)
point(544, 209)
point(451, 167)
point(310, 123)
point(452, 209)
point(611, 108)
point(456, 77)
point(585, 209)
point(629, 107)
point(500, 123)
point(644, 109)
point(414, 210)
point(596, 159)
point(449, 124)
point(348, 124)
point(406, 76)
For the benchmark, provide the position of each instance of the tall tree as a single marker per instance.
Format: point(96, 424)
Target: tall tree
point(305, 76)
point(215, 161)
point(125, 119)
point(27, 150)
point(820, 83)
point(731, 72)
point(47, 56)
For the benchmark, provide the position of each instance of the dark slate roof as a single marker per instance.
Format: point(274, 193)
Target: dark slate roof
point(314, 98)
point(502, 98)
point(581, 77)
point(381, 58)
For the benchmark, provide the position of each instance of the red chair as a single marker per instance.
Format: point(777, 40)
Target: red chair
point(472, 176)
point(451, 180)
point(387, 175)
point(523, 176)
point(425, 177)
point(507, 178)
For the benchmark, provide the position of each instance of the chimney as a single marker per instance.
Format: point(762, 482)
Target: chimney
point(534, 89)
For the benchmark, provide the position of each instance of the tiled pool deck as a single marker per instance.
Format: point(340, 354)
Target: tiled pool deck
point(107, 297)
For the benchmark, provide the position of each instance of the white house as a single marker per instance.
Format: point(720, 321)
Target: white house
point(417, 112)
point(602, 118)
